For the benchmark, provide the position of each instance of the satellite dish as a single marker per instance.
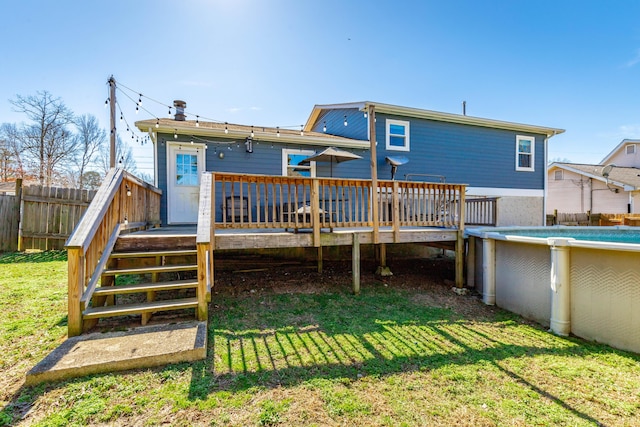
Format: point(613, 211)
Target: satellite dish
point(607, 170)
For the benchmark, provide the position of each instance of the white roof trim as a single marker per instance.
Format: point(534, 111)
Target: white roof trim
point(625, 187)
point(184, 128)
point(618, 148)
point(434, 115)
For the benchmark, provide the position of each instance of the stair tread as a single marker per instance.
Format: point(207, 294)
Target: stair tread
point(148, 254)
point(142, 287)
point(145, 307)
point(151, 269)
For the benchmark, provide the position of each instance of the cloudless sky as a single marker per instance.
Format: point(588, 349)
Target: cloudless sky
point(567, 64)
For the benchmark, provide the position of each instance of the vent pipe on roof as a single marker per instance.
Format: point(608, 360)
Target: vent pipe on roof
point(464, 108)
point(180, 106)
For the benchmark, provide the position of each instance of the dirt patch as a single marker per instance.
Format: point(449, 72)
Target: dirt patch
point(429, 279)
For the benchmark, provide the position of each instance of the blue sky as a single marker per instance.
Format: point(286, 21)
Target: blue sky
point(566, 64)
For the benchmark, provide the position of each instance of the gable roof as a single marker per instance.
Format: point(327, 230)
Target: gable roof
point(431, 115)
point(627, 178)
point(202, 130)
point(619, 147)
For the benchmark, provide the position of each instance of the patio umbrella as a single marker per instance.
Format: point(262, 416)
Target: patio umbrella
point(331, 155)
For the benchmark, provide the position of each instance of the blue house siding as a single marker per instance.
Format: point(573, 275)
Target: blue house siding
point(266, 159)
point(473, 155)
point(356, 123)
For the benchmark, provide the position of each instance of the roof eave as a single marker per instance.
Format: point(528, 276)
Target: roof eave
point(624, 186)
point(457, 118)
point(181, 129)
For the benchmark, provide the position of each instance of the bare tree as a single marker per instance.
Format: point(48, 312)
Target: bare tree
point(10, 156)
point(89, 138)
point(45, 140)
point(124, 158)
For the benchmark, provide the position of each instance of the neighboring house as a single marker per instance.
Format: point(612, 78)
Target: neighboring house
point(495, 158)
point(611, 186)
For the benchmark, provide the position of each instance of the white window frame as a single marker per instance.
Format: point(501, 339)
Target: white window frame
point(532, 154)
point(630, 149)
point(558, 175)
point(407, 135)
point(285, 157)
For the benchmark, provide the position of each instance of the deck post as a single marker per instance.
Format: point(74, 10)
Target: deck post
point(560, 321)
point(315, 211)
point(395, 198)
point(460, 241)
point(375, 195)
point(320, 259)
point(75, 283)
point(488, 270)
point(355, 263)
point(202, 259)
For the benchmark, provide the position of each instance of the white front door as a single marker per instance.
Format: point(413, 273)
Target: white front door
point(185, 164)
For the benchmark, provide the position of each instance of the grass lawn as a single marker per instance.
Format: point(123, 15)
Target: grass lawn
point(296, 348)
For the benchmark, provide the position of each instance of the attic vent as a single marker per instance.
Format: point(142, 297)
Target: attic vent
point(631, 149)
point(180, 106)
point(558, 175)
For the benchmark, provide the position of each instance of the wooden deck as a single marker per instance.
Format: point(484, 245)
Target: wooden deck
point(244, 212)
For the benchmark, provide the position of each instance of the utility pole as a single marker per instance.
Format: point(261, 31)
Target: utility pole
point(112, 107)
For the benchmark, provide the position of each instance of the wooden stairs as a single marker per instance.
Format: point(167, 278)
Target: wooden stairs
point(141, 283)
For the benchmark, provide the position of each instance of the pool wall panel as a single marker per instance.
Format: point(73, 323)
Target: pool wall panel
point(605, 296)
point(522, 280)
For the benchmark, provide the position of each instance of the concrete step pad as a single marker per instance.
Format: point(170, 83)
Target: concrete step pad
point(142, 347)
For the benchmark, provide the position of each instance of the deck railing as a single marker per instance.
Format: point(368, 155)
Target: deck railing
point(482, 211)
point(122, 202)
point(229, 200)
point(260, 201)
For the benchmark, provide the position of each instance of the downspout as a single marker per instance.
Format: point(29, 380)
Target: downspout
point(546, 179)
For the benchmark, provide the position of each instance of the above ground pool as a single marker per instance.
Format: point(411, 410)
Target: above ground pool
point(576, 280)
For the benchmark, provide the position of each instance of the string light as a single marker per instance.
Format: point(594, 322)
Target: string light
point(137, 109)
point(226, 128)
point(301, 130)
point(169, 111)
point(140, 99)
point(175, 134)
point(278, 131)
point(345, 120)
point(251, 131)
point(365, 114)
point(157, 123)
point(106, 102)
point(121, 118)
point(324, 128)
point(197, 121)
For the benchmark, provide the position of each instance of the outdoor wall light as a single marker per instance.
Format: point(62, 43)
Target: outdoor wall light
point(128, 190)
point(249, 145)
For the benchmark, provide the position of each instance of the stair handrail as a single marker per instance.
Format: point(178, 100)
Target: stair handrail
point(123, 201)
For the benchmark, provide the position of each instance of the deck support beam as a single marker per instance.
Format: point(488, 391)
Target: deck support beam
point(471, 262)
point(355, 263)
point(460, 259)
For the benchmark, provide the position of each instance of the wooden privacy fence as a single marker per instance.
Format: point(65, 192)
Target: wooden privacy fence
point(9, 220)
point(593, 219)
point(49, 215)
point(38, 217)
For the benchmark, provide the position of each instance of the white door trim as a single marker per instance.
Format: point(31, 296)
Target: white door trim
point(186, 193)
